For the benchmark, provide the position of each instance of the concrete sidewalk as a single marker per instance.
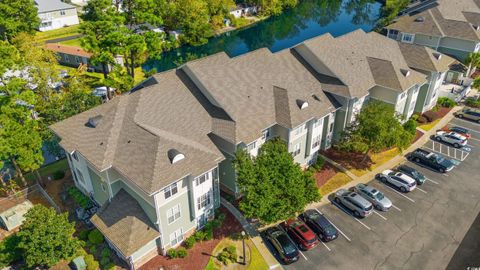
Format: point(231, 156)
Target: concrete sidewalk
point(254, 235)
point(389, 164)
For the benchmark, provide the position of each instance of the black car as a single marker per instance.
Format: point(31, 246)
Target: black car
point(283, 245)
point(320, 225)
point(431, 160)
point(416, 175)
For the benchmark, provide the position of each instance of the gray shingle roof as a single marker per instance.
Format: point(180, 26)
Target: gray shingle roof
point(125, 224)
point(358, 61)
point(425, 58)
point(137, 130)
point(450, 18)
point(244, 87)
point(51, 5)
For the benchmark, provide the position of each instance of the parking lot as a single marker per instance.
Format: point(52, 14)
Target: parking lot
point(422, 230)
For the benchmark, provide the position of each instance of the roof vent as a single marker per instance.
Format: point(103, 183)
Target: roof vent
point(315, 97)
point(405, 72)
point(302, 104)
point(420, 19)
point(94, 121)
point(476, 27)
point(437, 56)
point(175, 156)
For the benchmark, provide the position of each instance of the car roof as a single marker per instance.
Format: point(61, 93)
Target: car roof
point(463, 130)
point(406, 168)
point(317, 217)
point(405, 177)
point(359, 198)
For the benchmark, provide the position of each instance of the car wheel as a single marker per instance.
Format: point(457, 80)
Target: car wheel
point(417, 160)
point(456, 145)
point(337, 200)
point(438, 138)
point(378, 207)
point(442, 170)
point(356, 213)
point(460, 116)
point(403, 189)
point(383, 179)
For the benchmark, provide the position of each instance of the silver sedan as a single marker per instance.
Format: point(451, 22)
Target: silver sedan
point(374, 196)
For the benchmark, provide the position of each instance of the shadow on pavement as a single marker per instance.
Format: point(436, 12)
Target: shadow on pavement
point(467, 254)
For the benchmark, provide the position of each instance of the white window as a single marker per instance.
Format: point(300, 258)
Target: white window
point(80, 177)
point(202, 178)
point(75, 156)
point(316, 141)
point(296, 149)
point(407, 38)
point(298, 130)
point(316, 123)
point(170, 190)
point(252, 146)
point(402, 96)
point(203, 201)
point(173, 214)
point(176, 237)
point(265, 134)
point(62, 12)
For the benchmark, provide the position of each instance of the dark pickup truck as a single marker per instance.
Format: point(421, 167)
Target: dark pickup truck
point(431, 160)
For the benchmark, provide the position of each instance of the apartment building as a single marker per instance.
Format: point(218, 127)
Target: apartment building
point(263, 95)
point(359, 66)
point(434, 65)
point(451, 27)
point(147, 160)
point(55, 14)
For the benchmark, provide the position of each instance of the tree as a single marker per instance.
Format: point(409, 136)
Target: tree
point(274, 187)
point(47, 237)
point(376, 127)
point(473, 61)
point(192, 17)
point(17, 16)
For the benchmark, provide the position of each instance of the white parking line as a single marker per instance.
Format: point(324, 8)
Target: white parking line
point(422, 190)
point(446, 174)
point(379, 215)
point(333, 224)
point(465, 121)
point(326, 246)
point(430, 180)
point(408, 198)
point(399, 210)
point(364, 225)
point(474, 139)
point(303, 254)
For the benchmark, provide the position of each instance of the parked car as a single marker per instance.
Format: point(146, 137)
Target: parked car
point(452, 138)
point(320, 225)
point(469, 113)
point(358, 205)
point(431, 160)
point(402, 181)
point(374, 196)
point(301, 234)
point(283, 245)
point(460, 130)
point(420, 178)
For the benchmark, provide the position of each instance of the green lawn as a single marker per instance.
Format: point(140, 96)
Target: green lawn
point(377, 160)
point(49, 170)
point(430, 125)
point(73, 42)
point(335, 182)
point(256, 260)
point(58, 33)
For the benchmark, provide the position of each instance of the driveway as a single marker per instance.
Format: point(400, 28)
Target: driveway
point(423, 230)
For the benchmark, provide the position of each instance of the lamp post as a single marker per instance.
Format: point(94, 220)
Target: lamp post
point(243, 245)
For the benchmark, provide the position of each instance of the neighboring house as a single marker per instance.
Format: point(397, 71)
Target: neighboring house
point(451, 27)
point(146, 158)
point(431, 63)
point(259, 96)
point(71, 55)
point(55, 14)
point(359, 66)
point(14, 217)
point(242, 10)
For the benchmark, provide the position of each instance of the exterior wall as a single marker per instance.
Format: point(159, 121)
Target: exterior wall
point(80, 164)
point(384, 94)
point(422, 98)
point(298, 139)
point(458, 48)
point(145, 253)
point(100, 188)
point(55, 19)
point(227, 175)
point(202, 214)
point(455, 53)
point(425, 40)
point(328, 130)
point(411, 102)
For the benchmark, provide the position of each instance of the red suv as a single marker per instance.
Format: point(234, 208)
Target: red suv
point(301, 234)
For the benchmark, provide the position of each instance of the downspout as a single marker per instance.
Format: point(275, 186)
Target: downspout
point(130, 262)
point(110, 192)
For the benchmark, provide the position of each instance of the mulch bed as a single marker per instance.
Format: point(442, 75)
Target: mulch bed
point(199, 255)
point(348, 160)
point(327, 172)
point(442, 111)
point(418, 135)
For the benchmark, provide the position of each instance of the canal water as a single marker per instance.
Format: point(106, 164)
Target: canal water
point(310, 18)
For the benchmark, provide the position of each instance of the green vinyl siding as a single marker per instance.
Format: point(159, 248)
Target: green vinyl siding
point(137, 255)
point(421, 99)
point(227, 173)
point(99, 194)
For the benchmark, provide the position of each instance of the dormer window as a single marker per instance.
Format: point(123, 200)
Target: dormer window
point(175, 156)
point(302, 104)
point(405, 72)
point(437, 56)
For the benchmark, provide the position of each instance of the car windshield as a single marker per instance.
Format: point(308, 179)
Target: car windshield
point(288, 247)
point(439, 159)
point(329, 230)
point(379, 196)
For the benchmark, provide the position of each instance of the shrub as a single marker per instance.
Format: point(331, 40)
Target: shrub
point(200, 236)
point(430, 116)
point(78, 197)
point(446, 102)
point(95, 237)
point(105, 252)
point(91, 263)
point(410, 126)
point(104, 261)
point(93, 249)
point(318, 165)
point(110, 266)
point(182, 253)
point(220, 216)
point(83, 235)
point(472, 102)
point(172, 253)
point(415, 117)
point(228, 255)
point(57, 175)
point(422, 120)
point(190, 242)
point(9, 251)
